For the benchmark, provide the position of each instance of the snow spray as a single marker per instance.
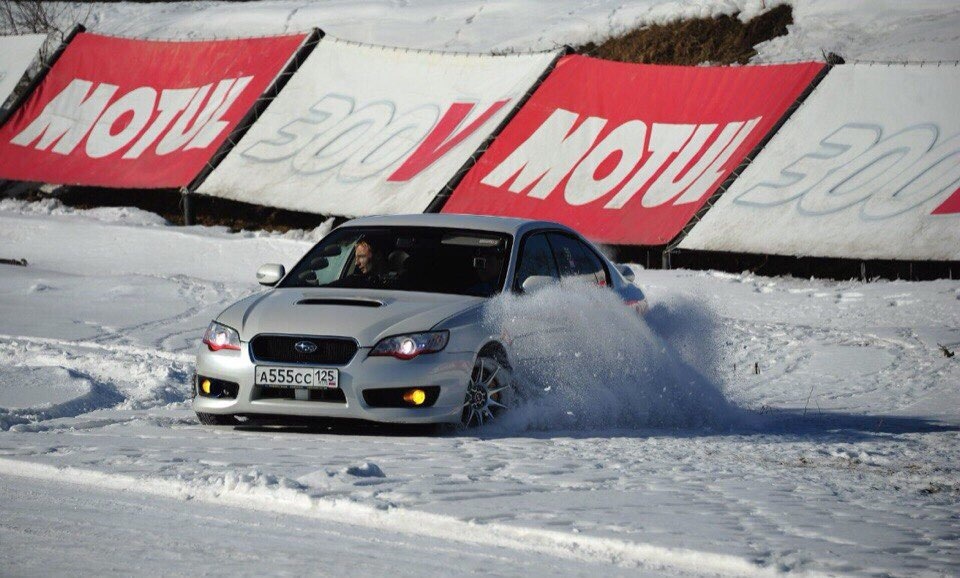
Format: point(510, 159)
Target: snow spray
point(581, 359)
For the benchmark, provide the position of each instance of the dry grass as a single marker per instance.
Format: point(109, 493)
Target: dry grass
point(722, 40)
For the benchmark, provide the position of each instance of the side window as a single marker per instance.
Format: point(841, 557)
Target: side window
point(334, 267)
point(576, 260)
point(535, 259)
point(594, 265)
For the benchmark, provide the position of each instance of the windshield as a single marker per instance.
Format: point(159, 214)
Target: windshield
point(427, 259)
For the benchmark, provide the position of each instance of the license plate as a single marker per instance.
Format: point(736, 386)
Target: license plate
point(318, 377)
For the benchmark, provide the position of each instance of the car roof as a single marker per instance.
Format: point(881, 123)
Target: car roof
point(510, 225)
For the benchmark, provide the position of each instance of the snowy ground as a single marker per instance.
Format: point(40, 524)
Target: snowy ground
point(883, 30)
point(839, 457)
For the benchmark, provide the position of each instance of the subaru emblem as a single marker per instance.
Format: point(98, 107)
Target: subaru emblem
point(305, 347)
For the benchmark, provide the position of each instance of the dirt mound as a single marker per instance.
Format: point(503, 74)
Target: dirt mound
point(722, 40)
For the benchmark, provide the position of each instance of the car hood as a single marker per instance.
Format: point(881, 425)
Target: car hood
point(366, 315)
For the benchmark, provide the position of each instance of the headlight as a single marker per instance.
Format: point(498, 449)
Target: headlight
point(411, 345)
point(218, 337)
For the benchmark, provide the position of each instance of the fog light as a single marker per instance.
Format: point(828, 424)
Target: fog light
point(205, 386)
point(415, 396)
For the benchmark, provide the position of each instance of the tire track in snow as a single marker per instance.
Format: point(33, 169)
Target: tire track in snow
point(290, 501)
point(137, 377)
point(124, 349)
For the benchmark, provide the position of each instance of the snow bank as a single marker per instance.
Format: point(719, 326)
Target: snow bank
point(885, 30)
point(583, 360)
point(856, 29)
point(51, 206)
point(263, 492)
point(470, 26)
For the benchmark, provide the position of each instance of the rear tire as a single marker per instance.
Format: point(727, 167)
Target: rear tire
point(216, 419)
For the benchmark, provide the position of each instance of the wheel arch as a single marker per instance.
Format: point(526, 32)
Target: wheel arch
point(496, 350)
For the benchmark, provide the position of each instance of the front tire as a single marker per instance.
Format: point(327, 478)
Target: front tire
point(216, 419)
point(487, 392)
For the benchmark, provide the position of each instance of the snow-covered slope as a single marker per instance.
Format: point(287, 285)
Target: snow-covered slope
point(870, 30)
point(839, 456)
point(463, 25)
point(857, 29)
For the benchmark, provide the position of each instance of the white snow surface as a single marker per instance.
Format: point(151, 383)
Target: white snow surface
point(895, 30)
point(746, 426)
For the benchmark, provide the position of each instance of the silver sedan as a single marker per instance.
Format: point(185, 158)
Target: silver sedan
point(381, 321)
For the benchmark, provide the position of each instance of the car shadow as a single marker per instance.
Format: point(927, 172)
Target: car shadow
point(343, 427)
point(771, 424)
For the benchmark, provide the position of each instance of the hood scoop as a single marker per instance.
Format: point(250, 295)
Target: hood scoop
point(343, 302)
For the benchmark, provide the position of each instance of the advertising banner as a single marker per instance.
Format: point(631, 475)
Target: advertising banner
point(627, 153)
point(18, 53)
point(867, 168)
point(118, 112)
point(367, 130)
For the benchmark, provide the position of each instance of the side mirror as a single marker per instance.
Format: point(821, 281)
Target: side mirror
point(535, 282)
point(270, 274)
point(627, 273)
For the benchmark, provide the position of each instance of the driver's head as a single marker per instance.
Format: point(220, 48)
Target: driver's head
point(364, 257)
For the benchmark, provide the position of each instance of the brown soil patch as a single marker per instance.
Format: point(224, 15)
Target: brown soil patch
point(722, 40)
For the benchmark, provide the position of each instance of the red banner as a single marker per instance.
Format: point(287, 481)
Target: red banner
point(627, 153)
point(126, 113)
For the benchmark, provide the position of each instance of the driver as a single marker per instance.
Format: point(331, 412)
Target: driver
point(365, 259)
point(368, 266)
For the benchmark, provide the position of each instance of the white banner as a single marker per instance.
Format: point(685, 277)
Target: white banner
point(16, 55)
point(364, 130)
point(868, 168)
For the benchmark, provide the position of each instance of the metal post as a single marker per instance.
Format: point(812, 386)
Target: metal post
point(186, 200)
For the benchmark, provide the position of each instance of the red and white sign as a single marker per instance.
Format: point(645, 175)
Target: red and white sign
point(118, 112)
point(627, 153)
point(360, 130)
point(867, 168)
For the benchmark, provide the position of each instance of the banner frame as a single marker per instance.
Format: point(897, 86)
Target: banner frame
point(45, 66)
point(444, 194)
point(259, 107)
point(671, 247)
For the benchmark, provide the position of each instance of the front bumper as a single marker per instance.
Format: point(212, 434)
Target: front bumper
point(450, 371)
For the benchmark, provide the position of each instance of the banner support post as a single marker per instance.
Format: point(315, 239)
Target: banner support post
point(271, 92)
point(186, 200)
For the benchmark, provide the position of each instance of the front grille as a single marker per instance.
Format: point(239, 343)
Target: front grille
point(327, 395)
point(280, 349)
